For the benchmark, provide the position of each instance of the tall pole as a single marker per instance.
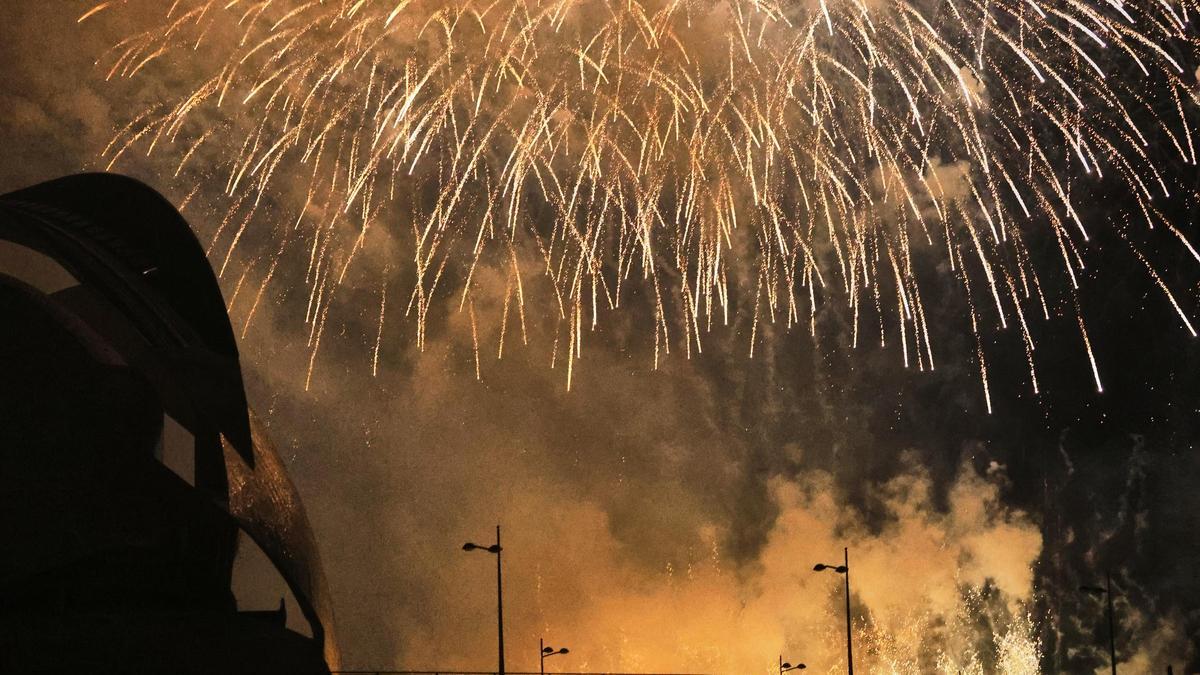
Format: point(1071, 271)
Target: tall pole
point(849, 649)
point(542, 655)
point(499, 602)
point(1112, 634)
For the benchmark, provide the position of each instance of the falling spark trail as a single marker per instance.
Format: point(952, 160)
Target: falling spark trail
point(702, 154)
point(93, 11)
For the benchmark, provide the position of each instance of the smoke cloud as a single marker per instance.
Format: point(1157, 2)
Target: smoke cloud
point(618, 504)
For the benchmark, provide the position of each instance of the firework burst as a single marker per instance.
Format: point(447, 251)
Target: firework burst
point(733, 157)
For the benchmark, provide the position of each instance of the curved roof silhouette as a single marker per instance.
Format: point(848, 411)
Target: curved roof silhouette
point(115, 323)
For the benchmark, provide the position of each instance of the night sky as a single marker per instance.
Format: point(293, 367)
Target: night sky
point(669, 519)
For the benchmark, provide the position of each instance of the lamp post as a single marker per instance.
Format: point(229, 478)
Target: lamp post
point(1112, 633)
point(784, 666)
point(499, 593)
point(843, 569)
point(545, 652)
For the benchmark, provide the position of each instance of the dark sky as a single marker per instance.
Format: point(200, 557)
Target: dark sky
point(668, 519)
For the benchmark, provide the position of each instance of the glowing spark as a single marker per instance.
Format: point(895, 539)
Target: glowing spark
point(840, 145)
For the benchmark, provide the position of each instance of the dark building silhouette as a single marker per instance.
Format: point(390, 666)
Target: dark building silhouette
point(130, 463)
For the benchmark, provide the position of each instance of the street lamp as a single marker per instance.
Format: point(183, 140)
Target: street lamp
point(547, 652)
point(784, 666)
point(1112, 633)
point(495, 548)
point(843, 569)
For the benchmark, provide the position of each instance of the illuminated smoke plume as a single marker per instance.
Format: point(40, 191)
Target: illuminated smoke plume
point(620, 533)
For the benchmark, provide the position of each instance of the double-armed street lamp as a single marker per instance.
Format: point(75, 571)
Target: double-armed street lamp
point(784, 666)
point(844, 568)
point(1112, 634)
point(495, 548)
point(545, 652)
